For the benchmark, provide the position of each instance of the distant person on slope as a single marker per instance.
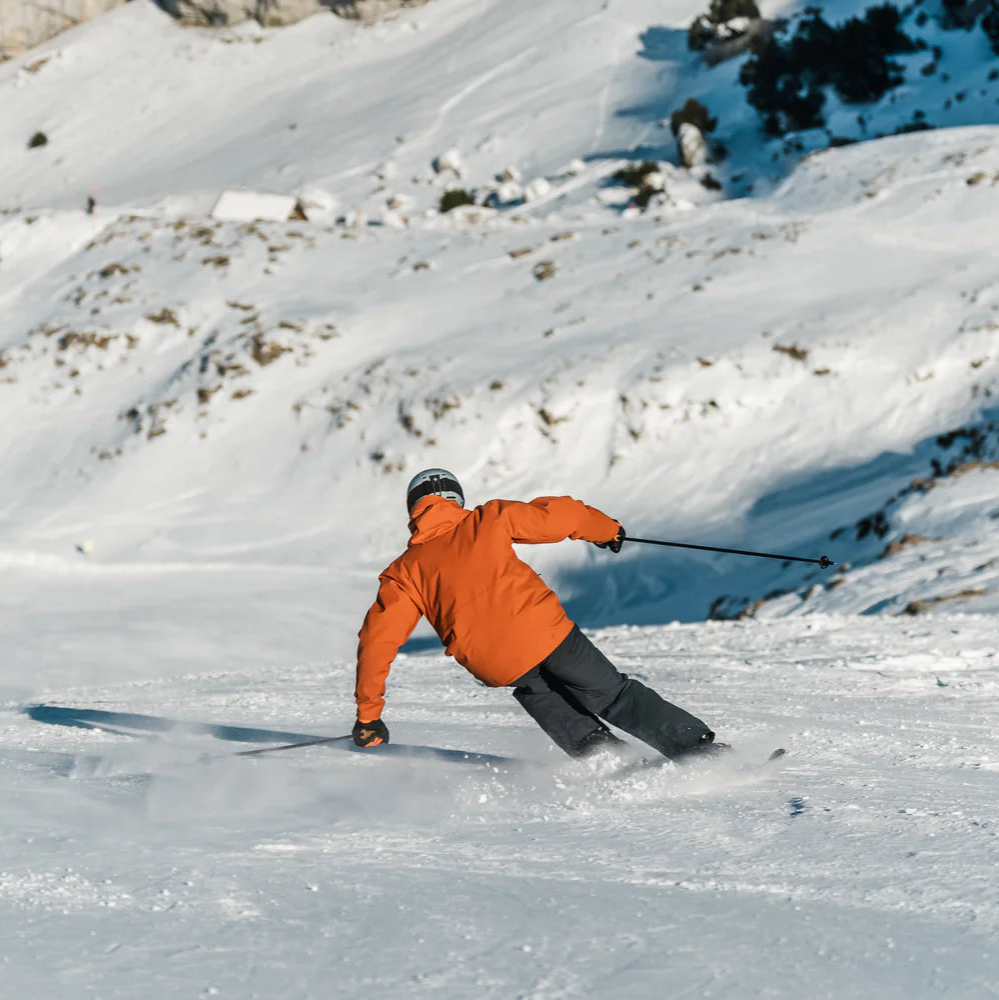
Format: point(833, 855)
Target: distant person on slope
point(497, 618)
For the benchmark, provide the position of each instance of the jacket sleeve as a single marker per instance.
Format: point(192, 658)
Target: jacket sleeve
point(552, 519)
point(387, 625)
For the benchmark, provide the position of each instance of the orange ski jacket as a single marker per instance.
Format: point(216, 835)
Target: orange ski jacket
point(493, 613)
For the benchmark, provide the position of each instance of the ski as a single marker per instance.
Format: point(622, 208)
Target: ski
point(699, 761)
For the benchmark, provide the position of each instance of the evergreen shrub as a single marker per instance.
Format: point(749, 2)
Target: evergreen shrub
point(786, 80)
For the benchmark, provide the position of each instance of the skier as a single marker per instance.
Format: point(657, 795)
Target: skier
point(498, 619)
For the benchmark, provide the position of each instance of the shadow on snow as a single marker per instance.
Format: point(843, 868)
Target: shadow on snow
point(797, 516)
point(131, 724)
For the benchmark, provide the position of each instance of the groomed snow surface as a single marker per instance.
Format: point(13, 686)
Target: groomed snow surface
point(862, 865)
point(207, 425)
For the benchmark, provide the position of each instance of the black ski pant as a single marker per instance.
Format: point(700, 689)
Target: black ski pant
point(576, 686)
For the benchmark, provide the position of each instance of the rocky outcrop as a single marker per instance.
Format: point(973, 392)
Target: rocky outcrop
point(371, 10)
point(273, 13)
point(218, 13)
point(692, 147)
point(740, 38)
point(26, 23)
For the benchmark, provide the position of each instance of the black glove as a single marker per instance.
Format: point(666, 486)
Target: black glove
point(615, 543)
point(370, 734)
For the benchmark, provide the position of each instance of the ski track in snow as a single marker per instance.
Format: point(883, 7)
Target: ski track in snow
point(861, 865)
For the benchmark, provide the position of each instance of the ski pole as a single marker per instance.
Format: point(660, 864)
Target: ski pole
point(292, 746)
point(825, 562)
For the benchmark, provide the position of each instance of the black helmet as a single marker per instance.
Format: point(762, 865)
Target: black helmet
point(434, 481)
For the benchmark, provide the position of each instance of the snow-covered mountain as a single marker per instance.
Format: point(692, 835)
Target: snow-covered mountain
point(761, 372)
point(208, 425)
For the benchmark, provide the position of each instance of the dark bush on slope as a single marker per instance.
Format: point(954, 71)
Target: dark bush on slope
point(953, 12)
point(694, 113)
point(962, 14)
point(786, 96)
point(634, 174)
point(454, 198)
point(990, 25)
point(786, 80)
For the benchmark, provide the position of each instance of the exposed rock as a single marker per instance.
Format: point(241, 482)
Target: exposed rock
point(929, 603)
point(246, 206)
point(509, 193)
point(538, 188)
point(794, 352)
point(634, 174)
point(729, 45)
point(370, 10)
point(218, 13)
point(26, 23)
point(449, 160)
point(402, 203)
point(275, 13)
point(691, 144)
point(318, 204)
point(472, 215)
point(907, 540)
point(656, 181)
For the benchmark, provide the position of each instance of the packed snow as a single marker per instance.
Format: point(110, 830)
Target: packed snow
point(210, 419)
point(863, 864)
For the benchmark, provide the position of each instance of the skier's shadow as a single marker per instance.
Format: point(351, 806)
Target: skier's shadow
point(131, 724)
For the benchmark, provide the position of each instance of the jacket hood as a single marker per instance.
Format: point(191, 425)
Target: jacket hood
point(432, 516)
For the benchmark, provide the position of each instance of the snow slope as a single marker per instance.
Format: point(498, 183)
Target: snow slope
point(386, 99)
point(212, 395)
point(863, 866)
point(207, 429)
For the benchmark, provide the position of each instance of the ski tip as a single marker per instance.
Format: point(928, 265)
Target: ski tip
point(777, 754)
